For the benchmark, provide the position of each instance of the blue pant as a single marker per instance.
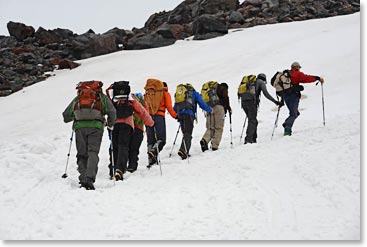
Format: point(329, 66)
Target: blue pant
point(292, 102)
point(157, 132)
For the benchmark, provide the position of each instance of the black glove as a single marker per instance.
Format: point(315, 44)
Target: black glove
point(279, 103)
point(178, 118)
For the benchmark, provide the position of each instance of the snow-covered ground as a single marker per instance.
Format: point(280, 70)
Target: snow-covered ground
point(303, 187)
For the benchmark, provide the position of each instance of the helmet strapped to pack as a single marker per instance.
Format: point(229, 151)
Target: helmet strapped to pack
point(209, 93)
point(121, 90)
point(88, 104)
point(183, 97)
point(281, 81)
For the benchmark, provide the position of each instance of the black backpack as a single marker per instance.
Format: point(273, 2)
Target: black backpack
point(121, 92)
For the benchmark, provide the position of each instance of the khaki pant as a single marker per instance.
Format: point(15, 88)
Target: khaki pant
point(214, 126)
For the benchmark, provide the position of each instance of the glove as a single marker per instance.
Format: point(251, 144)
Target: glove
point(322, 80)
point(109, 127)
point(178, 118)
point(279, 103)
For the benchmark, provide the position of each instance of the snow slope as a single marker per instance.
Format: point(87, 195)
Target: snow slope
point(303, 187)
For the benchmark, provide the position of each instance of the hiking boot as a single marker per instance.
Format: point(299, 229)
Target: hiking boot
point(204, 145)
point(214, 149)
point(182, 155)
point(87, 184)
point(131, 170)
point(287, 132)
point(118, 175)
point(153, 153)
point(152, 161)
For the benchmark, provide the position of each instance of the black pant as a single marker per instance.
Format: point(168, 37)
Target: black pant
point(121, 136)
point(250, 108)
point(135, 143)
point(187, 126)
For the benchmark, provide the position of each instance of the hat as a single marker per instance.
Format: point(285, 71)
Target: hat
point(296, 64)
point(139, 95)
point(224, 85)
point(261, 76)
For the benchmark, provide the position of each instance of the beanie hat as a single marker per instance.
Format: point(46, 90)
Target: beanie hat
point(296, 64)
point(262, 76)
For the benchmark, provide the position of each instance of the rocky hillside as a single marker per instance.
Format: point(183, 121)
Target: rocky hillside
point(27, 54)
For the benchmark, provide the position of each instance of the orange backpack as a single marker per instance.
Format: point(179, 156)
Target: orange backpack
point(153, 94)
point(89, 95)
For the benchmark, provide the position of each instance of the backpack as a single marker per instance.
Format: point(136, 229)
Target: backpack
point(281, 81)
point(183, 97)
point(209, 93)
point(121, 92)
point(247, 87)
point(137, 120)
point(153, 94)
point(88, 104)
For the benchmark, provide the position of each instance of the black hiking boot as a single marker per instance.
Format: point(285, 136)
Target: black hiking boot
point(152, 161)
point(153, 153)
point(119, 176)
point(182, 155)
point(204, 145)
point(131, 170)
point(87, 184)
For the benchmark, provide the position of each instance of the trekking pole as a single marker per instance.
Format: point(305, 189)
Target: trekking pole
point(276, 123)
point(112, 159)
point(67, 161)
point(211, 130)
point(187, 154)
point(156, 139)
point(323, 107)
point(174, 142)
point(244, 124)
point(158, 159)
point(230, 127)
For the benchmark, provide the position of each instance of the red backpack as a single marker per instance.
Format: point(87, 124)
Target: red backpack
point(89, 95)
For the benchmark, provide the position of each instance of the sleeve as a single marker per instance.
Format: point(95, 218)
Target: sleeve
point(142, 113)
point(68, 113)
point(111, 112)
point(168, 104)
point(300, 77)
point(266, 93)
point(201, 103)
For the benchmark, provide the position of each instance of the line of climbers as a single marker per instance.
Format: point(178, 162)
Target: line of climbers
point(128, 113)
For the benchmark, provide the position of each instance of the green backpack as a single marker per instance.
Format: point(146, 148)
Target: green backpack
point(209, 93)
point(183, 97)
